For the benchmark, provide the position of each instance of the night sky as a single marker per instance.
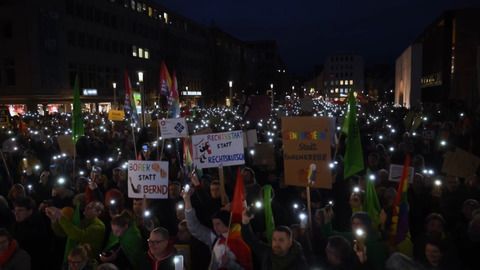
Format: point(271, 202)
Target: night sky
point(309, 30)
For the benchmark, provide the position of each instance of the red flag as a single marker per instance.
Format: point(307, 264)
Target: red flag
point(238, 199)
point(165, 80)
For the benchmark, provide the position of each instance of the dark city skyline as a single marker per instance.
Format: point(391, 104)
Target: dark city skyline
point(307, 32)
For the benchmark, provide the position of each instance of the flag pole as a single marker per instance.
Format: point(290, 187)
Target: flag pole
point(6, 168)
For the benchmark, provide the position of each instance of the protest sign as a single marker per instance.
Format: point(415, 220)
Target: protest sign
point(250, 138)
point(396, 171)
point(218, 149)
point(147, 179)
point(116, 115)
point(66, 145)
point(173, 128)
point(264, 155)
point(306, 142)
point(460, 163)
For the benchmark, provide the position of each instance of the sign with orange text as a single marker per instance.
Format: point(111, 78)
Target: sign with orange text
point(147, 179)
point(306, 151)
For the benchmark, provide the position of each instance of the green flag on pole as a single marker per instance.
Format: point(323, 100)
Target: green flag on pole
point(353, 161)
point(372, 204)
point(70, 244)
point(77, 120)
point(269, 220)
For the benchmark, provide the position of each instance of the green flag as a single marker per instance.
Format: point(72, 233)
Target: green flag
point(353, 161)
point(77, 120)
point(372, 204)
point(269, 221)
point(70, 242)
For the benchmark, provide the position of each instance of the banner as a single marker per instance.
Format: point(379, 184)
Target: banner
point(148, 179)
point(218, 149)
point(396, 173)
point(460, 163)
point(306, 143)
point(116, 115)
point(173, 128)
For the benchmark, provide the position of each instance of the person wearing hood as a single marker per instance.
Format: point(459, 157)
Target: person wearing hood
point(161, 251)
point(284, 253)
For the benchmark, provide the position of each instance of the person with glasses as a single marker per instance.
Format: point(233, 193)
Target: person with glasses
point(161, 251)
point(11, 255)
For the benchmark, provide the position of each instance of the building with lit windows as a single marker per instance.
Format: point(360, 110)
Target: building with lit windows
point(343, 73)
point(447, 58)
point(45, 44)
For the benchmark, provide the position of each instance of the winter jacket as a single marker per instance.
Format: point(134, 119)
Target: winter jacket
point(17, 260)
point(269, 261)
point(131, 243)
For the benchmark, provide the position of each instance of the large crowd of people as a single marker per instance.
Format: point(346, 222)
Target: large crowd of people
point(62, 211)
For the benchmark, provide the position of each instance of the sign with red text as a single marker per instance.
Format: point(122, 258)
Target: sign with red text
point(218, 149)
point(306, 145)
point(148, 179)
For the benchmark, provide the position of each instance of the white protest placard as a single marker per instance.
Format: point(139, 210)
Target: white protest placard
point(173, 128)
point(148, 179)
point(218, 149)
point(396, 173)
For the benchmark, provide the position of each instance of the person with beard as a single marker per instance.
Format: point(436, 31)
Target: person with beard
point(284, 253)
point(31, 232)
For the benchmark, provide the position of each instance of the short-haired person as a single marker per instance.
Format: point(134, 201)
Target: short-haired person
point(161, 251)
point(125, 244)
point(11, 255)
point(225, 254)
point(78, 258)
point(284, 253)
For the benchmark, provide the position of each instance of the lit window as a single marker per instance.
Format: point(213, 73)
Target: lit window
point(351, 82)
point(341, 90)
point(140, 52)
point(165, 17)
point(150, 12)
point(134, 51)
point(133, 4)
point(336, 90)
point(146, 54)
point(341, 82)
point(331, 91)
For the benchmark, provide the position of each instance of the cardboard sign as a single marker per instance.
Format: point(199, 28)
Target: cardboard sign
point(173, 128)
point(116, 115)
point(306, 141)
point(218, 149)
point(396, 173)
point(250, 138)
point(148, 179)
point(460, 163)
point(66, 145)
point(264, 155)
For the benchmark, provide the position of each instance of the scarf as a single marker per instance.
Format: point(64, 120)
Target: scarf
point(7, 254)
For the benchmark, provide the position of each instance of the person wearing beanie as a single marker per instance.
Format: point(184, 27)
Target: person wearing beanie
point(227, 253)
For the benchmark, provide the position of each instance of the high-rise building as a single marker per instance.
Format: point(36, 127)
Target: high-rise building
point(45, 44)
point(343, 73)
point(447, 59)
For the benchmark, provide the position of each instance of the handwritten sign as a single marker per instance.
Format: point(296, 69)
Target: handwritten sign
point(218, 149)
point(306, 141)
point(147, 179)
point(173, 128)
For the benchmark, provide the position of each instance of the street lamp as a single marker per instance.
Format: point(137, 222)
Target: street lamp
point(273, 94)
point(230, 84)
point(142, 94)
point(114, 84)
